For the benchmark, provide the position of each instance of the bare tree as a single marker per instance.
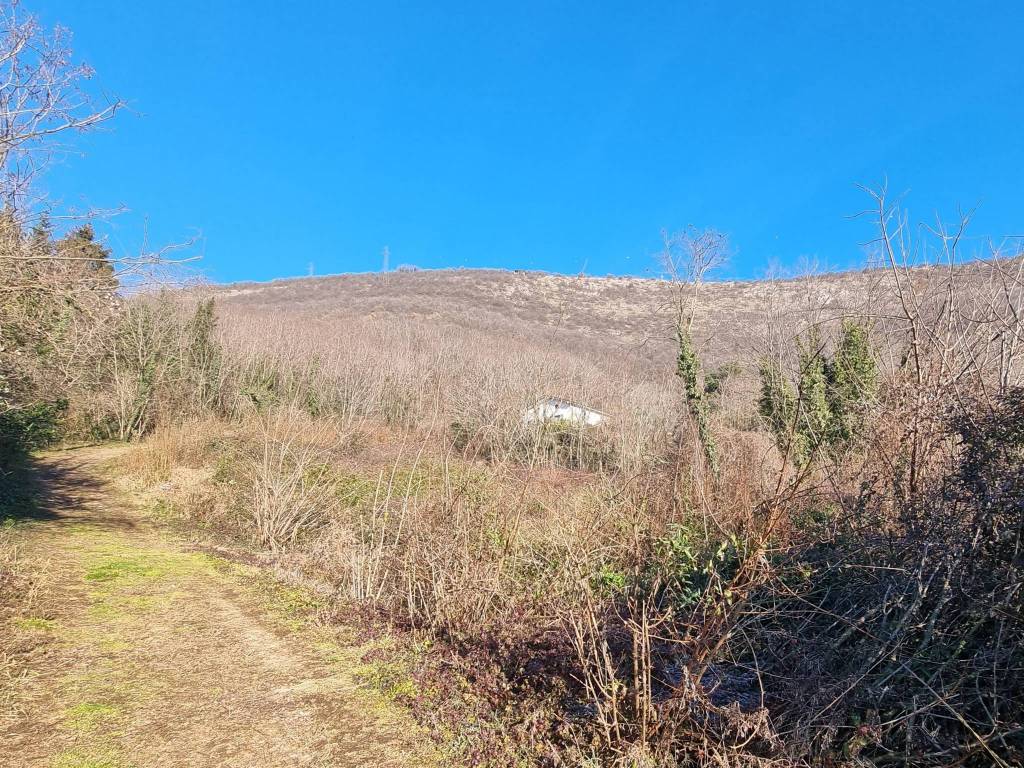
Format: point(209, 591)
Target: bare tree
point(62, 298)
point(43, 104)
point(687, 257)
point(42, 99)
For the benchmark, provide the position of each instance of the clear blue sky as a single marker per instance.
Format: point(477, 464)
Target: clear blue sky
point(541, 135)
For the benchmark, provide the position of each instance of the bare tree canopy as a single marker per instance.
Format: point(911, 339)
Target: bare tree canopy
point(690, 254)
point(44, 103)
point(42, 98)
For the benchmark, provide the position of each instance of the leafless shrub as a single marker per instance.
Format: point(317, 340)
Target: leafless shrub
point(287, 483)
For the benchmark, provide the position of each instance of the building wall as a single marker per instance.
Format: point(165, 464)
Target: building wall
point(549, 411)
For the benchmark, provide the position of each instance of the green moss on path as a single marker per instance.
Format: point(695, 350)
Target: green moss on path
point(137, 653)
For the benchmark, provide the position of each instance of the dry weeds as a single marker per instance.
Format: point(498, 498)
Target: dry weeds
point(152, 655)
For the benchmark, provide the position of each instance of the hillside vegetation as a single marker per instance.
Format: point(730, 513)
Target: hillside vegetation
point(623, 315)
point(797, 539)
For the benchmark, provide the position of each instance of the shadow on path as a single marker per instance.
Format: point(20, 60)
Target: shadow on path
point(64, 489)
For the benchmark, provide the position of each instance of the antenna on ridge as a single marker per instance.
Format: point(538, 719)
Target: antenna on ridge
point(386, 257)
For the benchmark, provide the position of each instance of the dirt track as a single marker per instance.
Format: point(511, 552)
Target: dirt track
point(134, 652)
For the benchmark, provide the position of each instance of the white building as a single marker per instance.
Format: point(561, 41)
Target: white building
point(555, 409)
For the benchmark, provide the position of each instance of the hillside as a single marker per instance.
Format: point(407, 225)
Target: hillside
point(738, 559)
point(625, 313)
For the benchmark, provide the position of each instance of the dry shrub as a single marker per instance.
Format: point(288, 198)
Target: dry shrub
point(286, 483)
point(898, 635)
point(429, 540)
point(413, 374)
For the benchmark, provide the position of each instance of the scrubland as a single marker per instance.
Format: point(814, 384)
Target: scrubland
point(795, 539)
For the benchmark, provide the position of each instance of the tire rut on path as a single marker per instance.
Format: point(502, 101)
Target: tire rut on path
point(136, 653)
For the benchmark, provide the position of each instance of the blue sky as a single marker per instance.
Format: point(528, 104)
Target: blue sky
point(540, 135)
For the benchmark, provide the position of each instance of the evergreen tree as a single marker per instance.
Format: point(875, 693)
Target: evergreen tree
point(41, 240)
point(88, 256)
point(852, 381)
point(828, 407)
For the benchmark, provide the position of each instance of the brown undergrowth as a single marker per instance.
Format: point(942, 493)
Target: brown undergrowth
point(840, 592)
point(555, 616)
point(808, 554)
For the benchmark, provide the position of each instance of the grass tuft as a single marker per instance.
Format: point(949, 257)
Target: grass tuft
point(34, 623)
point(111, 570)
point(87, 716)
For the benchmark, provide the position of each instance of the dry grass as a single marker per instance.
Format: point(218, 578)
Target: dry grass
point(157, 654)
point(602, 594)
point(16, 593)
point(172, 446)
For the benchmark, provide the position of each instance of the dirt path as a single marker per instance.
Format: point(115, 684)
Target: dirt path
point(133, 652)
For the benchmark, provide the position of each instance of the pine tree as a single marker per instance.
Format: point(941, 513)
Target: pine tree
point(41, 240)
point(90, 257)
